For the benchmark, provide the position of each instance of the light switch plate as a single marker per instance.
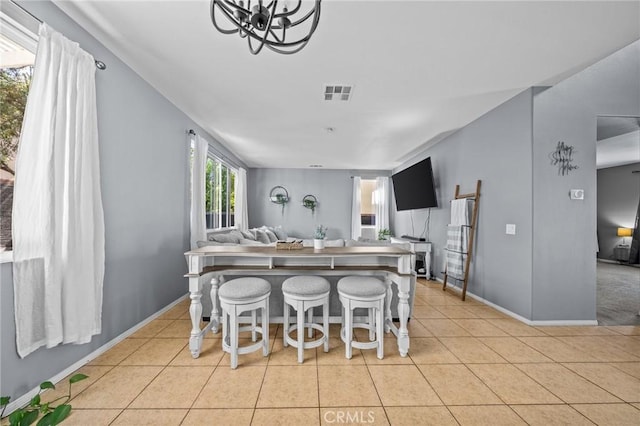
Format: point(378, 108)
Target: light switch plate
point(511, 229)
point(576, 194)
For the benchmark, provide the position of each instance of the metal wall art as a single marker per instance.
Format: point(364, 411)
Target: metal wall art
point(310, 201)
point(279, 195)
point(561, 157)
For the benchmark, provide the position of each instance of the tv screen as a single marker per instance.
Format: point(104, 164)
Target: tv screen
point(414, 187)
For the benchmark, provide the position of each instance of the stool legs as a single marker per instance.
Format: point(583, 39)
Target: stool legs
point(304, 311)
point(240, 295)
point(376, 314)
point(234, 338)
point(372, 333)
point(380, 330)
point(231, 329)
point(285, 326)
point(300, 311)
point(348, 325)
point(325, 324)
point(387, 327)
point(265, 329)
point(254, 322)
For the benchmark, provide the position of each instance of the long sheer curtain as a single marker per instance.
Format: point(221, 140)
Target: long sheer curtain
point(58, 222)
point(198, 172)
point(241, 210)
point(382, 203)
point(356, 220)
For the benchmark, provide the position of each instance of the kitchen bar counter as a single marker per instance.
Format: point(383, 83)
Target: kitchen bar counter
point(393, 264)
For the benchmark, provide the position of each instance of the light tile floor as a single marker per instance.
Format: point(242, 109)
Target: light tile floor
point(468, 364)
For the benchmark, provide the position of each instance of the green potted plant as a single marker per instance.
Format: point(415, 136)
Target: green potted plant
point(310, 202)
point(51, 414)
point(384, 234)
point(319, 236)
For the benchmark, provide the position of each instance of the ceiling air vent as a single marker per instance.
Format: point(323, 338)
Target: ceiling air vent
point(337, 92)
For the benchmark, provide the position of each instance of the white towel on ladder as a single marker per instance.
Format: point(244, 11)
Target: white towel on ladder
point(457, 238)
point(460, 209)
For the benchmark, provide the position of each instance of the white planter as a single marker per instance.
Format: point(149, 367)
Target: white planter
point(318, 244)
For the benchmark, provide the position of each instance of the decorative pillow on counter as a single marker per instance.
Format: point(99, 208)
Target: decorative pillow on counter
point(237, 233)
point(282, 236)
point(226, 238)
point(249, 235)
point(262, 236)
point(272, 236)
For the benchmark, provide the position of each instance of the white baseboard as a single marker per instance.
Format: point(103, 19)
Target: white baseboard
point(24, 399)
point(527, 321)
point(563, 322)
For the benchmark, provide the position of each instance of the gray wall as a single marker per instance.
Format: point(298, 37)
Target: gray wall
point(496, 149)
point(332, 188)
point(144, 170)
point(564, 245)
point(618, 197)
point(546, 271)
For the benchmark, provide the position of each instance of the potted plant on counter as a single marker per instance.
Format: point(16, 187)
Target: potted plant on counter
point(319, 236)
point(384, 234)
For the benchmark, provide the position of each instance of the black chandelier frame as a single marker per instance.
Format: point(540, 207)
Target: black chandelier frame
point(261, 23)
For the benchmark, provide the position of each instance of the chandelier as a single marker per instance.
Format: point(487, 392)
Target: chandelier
point(264, 24)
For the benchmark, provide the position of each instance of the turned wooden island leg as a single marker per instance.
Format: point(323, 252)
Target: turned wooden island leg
point(404, 286)
point(195, 311)
point(215, 311)
point(388, 318)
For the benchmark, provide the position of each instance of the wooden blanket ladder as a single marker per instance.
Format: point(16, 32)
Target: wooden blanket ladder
point(475, 196)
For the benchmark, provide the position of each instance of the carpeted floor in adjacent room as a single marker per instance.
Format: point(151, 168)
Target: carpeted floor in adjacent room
point(618, 296)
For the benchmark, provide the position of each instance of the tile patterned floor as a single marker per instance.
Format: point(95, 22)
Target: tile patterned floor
point(468, 365)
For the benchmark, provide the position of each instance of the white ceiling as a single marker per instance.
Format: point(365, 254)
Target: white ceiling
point(618, 150)
point(618, 141)
point(420, 70)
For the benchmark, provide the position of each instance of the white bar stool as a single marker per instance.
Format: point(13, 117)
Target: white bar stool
point(304, 293)
point(237, 296)
point(362, 292)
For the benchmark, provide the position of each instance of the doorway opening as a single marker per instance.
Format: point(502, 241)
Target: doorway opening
point(618, 213)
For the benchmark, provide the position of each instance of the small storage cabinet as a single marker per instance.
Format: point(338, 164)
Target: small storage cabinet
point(621, 252)
point(421, 259)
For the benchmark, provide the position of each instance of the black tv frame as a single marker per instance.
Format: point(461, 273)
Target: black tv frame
point(414, 187)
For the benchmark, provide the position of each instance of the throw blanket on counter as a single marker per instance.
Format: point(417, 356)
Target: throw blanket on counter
point(457, 237)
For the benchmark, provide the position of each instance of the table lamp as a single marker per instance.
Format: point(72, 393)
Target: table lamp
point(624, 232)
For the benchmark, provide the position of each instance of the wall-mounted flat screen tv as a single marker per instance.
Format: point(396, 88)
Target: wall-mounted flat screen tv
point(414, 188)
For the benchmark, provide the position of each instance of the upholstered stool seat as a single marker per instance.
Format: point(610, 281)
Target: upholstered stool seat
point(363, 292)
point(304, 293)
point(237, 296)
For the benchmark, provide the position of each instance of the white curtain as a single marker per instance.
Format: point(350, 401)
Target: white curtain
point(241, 210)
point(382, 203)
point(198, 175)
point(58, 222)
point(356, 220)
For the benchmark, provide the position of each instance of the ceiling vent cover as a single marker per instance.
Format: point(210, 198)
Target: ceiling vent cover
point(337, 92)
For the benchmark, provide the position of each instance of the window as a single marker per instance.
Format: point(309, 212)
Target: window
point(17, 45)
point(368, 208)
point(220, 193)
point(367, 202)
